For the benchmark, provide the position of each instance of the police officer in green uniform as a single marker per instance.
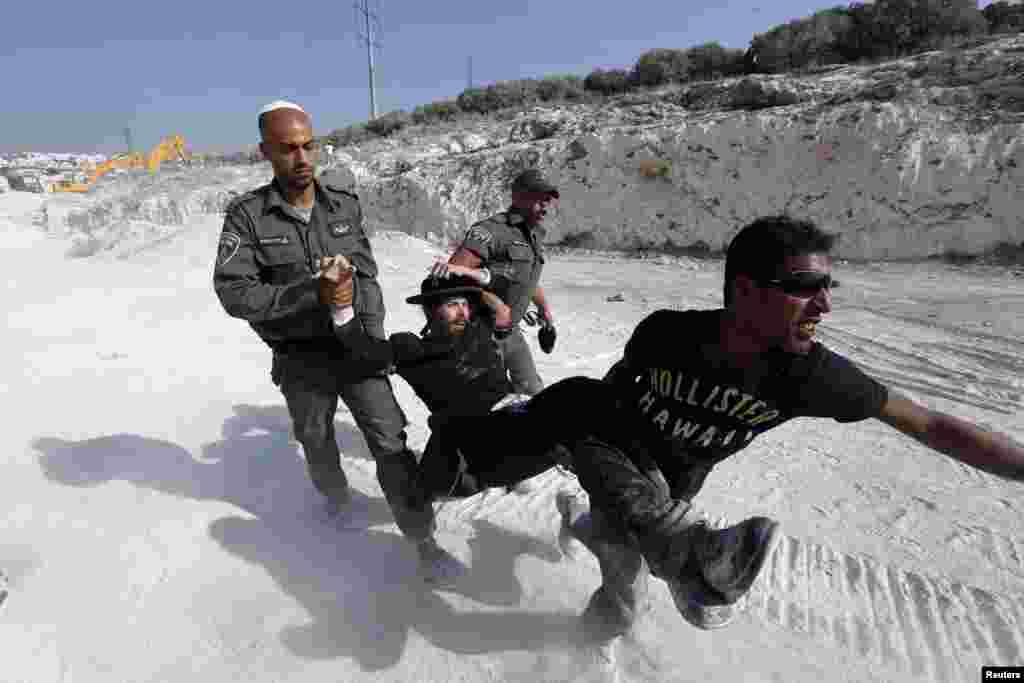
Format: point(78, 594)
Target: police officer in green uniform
point(505, 254)
point(268, 273)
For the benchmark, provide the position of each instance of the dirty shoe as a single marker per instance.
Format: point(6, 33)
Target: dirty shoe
point(721, 566)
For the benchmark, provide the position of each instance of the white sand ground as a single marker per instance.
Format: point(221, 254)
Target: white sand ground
point(156, 523)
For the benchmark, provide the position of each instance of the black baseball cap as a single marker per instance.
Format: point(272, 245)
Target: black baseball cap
point(435, 288)
point(531, 180)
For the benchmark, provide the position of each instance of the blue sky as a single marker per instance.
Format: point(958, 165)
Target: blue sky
point(76, 74)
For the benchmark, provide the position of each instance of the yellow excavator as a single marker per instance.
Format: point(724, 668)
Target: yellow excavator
point(171, 147)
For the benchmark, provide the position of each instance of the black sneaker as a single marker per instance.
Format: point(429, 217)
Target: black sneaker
point(721, 567)
point(731, 559)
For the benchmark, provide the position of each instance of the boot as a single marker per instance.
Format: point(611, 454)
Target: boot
point(332, 484)
point(719, 568)
point(622, 597)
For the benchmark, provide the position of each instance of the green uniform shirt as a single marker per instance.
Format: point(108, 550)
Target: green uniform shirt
point(267, 259)
point(512, 250)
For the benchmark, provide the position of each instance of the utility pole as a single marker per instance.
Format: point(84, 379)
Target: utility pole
point(469, 73)
point(128, 140)
point(369, 21)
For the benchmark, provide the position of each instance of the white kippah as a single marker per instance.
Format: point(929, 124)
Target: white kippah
point(280, 104)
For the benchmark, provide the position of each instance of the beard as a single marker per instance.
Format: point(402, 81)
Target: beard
point(444, 328)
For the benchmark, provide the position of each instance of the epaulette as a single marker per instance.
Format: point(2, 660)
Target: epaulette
point(499, 218)
point(235, 202)
point(336, 182)
point(513, 218)
point(341, 190)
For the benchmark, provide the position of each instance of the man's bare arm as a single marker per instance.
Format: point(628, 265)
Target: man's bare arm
point(542, 303)
point(465, 257)
point(959, 439)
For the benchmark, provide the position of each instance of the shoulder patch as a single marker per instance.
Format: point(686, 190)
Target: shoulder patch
point(227, 247)
point(479, 234)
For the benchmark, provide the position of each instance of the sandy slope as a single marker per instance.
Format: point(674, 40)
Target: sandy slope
point(157, 525)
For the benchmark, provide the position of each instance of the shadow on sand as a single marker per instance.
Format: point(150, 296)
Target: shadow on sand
point(358, 584)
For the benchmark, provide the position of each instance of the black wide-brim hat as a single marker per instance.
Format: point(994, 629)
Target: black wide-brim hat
point(435, 288)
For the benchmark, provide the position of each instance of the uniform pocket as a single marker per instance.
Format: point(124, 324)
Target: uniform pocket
point(349, 239)
point(518, 251)
point(283, 259)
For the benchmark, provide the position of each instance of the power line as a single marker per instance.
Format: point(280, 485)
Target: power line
point(368, 21)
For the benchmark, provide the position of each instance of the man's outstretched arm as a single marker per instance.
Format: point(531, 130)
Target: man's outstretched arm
point(989, 451)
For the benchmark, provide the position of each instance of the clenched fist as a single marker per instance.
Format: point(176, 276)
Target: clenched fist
point(336, 285)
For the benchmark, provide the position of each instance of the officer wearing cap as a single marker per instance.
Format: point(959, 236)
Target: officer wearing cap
point(269, 273)
point(505, 254)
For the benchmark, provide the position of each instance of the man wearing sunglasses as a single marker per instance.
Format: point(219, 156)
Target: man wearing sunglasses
point(697, 386)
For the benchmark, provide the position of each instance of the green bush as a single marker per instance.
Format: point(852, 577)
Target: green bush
point(660, 66)
point(474, 100)
point(607, 82)
point(389, 123)
point(442, 110)
point(865, 31)
point(816, 40)
point(904, 26)
point(350, 135)
point(711, 61)
point(500, 95)
point(555, 88)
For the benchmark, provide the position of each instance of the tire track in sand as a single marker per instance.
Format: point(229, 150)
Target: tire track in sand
point(931, 627)
point(934, 628)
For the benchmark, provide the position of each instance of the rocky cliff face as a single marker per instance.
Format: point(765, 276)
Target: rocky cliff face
point(904, 159)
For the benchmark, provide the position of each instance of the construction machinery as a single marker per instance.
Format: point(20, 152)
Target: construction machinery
point(25, 181)
point(93, 173)
point(170, 148)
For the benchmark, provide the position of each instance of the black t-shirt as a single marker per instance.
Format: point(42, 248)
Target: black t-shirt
point(692, 408)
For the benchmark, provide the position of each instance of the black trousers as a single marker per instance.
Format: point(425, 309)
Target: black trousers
point(467, 454)
point(519, 361)
point(312, 387)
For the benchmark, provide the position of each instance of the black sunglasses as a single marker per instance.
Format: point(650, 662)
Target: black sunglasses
point(803, 284)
